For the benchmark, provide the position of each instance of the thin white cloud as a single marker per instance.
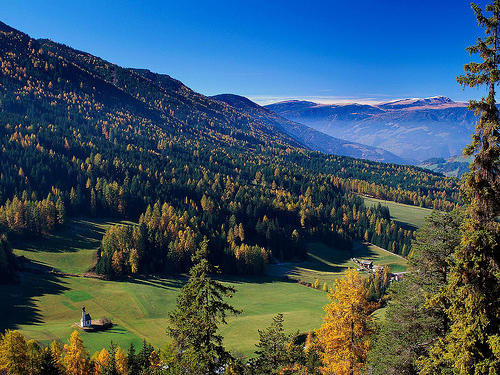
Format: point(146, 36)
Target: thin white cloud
point(270, 99)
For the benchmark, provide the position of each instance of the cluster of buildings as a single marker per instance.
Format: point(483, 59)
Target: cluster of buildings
point(368, 266)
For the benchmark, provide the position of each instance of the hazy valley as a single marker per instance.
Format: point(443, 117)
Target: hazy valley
point(413, 129)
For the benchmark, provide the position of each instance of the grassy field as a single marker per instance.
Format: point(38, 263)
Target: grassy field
point(327, 263)
point(46, 306)
point(71, 251)
point(411, 217)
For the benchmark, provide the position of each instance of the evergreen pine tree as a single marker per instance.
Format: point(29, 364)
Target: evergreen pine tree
point(473, 343)
point(49, 364)
point(194, 324)
point(132, 361)
point(142, 358)
point(276, 349)
point(415, 316)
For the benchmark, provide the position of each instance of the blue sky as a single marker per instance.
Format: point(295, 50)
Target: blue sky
point(324, 51)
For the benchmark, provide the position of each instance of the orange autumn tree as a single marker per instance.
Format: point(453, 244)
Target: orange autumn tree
point(76, 356)
point(343, 339)
point(101, 360)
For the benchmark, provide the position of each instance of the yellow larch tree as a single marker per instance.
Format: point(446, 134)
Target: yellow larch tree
point(121, 361)
point(57, 350)
point(343, 339)
point(101, 361)
point(13, 353)
point(76, 356)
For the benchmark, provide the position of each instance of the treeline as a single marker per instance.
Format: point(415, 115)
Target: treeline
point(31, 217)
point(19, 356)
point(243, 241)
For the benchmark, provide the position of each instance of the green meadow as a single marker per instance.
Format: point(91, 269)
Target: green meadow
point(45, 306)
point(411, 217)
point(72, 250)
point(326, 263)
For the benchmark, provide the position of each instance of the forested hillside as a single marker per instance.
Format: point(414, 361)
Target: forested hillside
point(81, 136)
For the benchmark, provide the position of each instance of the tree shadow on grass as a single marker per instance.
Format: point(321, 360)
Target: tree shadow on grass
point(254, 279)
point(176, 282)
point(77, 235)
point(322, 258)
point(362, 250)
point(324, 264)
point(158, 282)
point(115, 329)
point(62, 242)
point(19, 299)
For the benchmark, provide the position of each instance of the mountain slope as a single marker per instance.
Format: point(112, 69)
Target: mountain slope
point(82, 136)
point(311, 138)
point(75, 118)
point(173, 100)
point(415, 129)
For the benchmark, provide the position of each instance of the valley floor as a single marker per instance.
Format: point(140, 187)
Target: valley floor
point(45, 305)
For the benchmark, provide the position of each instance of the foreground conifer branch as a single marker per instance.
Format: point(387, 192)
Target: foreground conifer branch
point(472, 345)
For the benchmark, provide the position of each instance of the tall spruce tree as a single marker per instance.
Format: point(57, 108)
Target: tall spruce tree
point(132, 361)
point(201, 308)
point(472, 345)
point(49, 364)
point(275, 348)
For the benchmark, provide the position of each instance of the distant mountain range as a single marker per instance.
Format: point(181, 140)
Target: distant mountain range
point(413, 129)
point(311, 138)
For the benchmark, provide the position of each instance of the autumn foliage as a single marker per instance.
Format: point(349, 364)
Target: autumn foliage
point(343, 339)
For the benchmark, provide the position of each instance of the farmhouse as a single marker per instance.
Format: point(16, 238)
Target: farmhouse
point(366, 263)
point(86, 319)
